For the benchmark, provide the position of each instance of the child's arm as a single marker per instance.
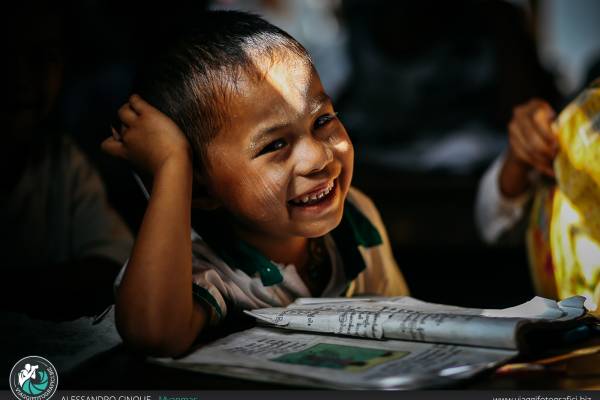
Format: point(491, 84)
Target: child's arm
point(155, 311)
point(532, 145)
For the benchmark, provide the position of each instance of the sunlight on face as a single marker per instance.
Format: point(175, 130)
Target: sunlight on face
point(283, 145)
point(292, 82)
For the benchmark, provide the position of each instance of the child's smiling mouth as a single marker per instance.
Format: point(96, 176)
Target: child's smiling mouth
point(316, 198)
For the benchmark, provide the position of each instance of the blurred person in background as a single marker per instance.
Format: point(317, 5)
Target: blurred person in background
point(62, 243)
point(543, 191)
point(433, 84)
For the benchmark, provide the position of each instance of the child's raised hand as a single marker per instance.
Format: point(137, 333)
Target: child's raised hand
point(531, 137)
point(148, 138)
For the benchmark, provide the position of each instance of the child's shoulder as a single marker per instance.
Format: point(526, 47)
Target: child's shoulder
point(363, 203)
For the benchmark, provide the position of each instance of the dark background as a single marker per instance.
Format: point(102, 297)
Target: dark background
point(425, 89)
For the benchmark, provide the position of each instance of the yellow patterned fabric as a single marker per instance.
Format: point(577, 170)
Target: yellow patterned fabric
point(564, 232)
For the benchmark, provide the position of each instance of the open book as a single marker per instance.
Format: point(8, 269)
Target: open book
point(406, 318)
point(382, 343)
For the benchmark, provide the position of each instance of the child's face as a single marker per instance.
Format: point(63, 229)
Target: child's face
point(283, 144)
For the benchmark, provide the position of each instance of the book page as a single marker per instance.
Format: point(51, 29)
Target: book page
point(536, 308)
point(406, 318)
point(274, 355)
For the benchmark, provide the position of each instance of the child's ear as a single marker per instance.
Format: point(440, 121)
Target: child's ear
point(202, 198)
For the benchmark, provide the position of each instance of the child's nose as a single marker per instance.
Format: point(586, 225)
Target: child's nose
point(313, 156)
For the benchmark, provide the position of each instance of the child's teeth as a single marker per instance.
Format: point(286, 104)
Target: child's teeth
point(318, 196)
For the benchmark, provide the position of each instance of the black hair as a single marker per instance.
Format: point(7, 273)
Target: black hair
point(191, 74)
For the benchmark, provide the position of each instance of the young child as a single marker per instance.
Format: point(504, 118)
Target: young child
point(254, 141)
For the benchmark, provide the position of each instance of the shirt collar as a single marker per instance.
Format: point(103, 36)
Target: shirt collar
point(354, 230)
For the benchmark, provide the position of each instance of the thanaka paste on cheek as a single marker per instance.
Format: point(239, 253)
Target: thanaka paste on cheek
point(268, 198)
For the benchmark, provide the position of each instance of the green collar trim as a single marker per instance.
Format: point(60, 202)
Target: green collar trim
point(364, 232)
point(201, 294)
point(250, 260)
point(354, 230)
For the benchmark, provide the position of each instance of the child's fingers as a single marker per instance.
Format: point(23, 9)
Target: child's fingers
point(114, 147)
point(521, 144)
point(519, 152)
point(116, 135)
point(138, 104)
point(538, 141)
point(534, 121)
point(127, 115)
point(531, 136)
point(543, 118)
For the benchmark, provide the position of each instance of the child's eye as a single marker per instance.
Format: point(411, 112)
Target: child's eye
point(273, 146)
point(324, 120)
